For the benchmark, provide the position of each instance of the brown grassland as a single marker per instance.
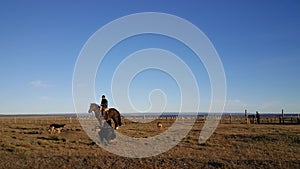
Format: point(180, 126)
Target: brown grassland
point(26, 143)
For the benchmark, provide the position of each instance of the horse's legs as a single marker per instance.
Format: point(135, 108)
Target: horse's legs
point(102, 110)
point(116, 124)
point(99, 120)
point(109, 122)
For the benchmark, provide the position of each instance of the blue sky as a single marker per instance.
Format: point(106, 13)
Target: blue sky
point(257, 41)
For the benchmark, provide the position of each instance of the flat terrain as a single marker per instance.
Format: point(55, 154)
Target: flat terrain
point(26, 143)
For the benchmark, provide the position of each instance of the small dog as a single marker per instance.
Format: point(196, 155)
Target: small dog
point(56, 128)
point(159, 125)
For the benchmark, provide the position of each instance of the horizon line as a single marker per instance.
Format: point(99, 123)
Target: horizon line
point(184, 112)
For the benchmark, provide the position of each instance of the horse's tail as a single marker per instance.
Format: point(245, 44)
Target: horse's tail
point(119, 119)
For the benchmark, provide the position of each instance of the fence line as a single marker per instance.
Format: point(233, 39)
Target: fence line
point(225, 119)
point(37, 120)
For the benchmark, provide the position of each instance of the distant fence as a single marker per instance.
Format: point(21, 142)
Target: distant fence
point(225, 119)
point(291, 119)
point(258, 118)
point(37, 120)
point(262, 120)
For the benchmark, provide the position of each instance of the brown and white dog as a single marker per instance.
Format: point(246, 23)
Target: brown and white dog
point(159, 125)
point(56, 128)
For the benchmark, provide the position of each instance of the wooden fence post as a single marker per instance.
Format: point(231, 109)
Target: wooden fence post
point(282, 115)
point(246, 117)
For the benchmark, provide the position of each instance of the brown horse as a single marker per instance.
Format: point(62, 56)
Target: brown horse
point(111, 113)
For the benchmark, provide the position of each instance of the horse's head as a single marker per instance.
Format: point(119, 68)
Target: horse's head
point(93, 107)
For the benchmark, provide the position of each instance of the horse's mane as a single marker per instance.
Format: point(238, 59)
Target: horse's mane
point(95, 104)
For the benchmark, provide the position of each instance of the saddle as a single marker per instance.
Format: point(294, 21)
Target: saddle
point(106, 109)
point(105, 112)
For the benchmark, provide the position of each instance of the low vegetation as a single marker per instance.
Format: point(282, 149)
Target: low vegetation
point(26, 143)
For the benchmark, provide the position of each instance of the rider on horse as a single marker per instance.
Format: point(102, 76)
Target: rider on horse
point(104, 104)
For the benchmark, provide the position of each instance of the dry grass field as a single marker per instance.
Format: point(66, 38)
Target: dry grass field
point(26, 143)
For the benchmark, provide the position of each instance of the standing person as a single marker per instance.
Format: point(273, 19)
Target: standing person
point(257, 117)
point(104, 104)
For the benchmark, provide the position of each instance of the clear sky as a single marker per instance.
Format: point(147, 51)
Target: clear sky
point(257, 41)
